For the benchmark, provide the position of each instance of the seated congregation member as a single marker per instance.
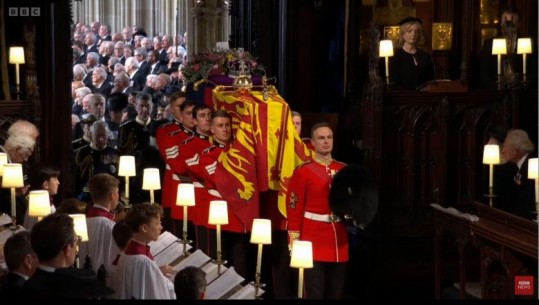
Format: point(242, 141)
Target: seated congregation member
point(21, 261)
point(518, 196)
point(137, 274)
point(55, 242)
point(190, 284)
point(43, 177)
point(93, 159)
point(410, 66)
point(100, 247)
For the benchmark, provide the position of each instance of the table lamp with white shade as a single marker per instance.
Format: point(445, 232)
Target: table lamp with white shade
point(81, 230)
point(13, 178)
point(499, 48)
point(533, 173)
point(218, 216)
point(127, 169)
point(185, 197)
point(16, 57)
point(386, 51)
point(3, 160)
point(261, 235)
point(524, 46)
point(151, 181)
point(301, 258)
point(39, 204)
point(491, 156)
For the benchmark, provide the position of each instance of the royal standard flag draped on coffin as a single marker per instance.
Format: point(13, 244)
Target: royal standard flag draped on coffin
point(264, 153)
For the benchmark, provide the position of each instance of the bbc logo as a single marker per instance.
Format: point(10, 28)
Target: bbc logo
point(24, 11)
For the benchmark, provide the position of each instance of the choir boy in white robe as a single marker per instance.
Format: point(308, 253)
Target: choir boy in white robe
point(137, 274)
point(121, 234)
point(101, 248)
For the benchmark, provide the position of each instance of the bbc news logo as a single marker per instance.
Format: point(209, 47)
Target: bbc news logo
point(24, 11)
point(524, 285)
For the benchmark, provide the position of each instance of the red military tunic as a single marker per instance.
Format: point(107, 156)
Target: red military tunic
point(189, 152)
point(169, 138)
point(308, 211)
point(204, 171)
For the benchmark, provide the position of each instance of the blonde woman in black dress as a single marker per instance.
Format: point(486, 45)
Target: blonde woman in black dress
point(410, 66)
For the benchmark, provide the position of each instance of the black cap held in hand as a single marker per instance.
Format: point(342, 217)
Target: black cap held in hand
point(354, 196)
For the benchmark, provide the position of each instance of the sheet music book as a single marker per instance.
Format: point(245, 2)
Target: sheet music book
point(223, 284)
point(246, 292)
point(170, 254)
point(211, 271)
point(165, 239)
point(4, 219)
point(197, 259)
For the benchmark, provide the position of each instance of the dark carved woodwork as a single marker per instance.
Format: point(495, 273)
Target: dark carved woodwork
point(244, 18)
point(46, 75)
point(431, 143)
point(507, 245)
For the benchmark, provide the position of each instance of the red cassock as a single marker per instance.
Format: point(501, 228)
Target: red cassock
point(189, 151)
point(308, 211)
point(204, 172)
point(169, 138)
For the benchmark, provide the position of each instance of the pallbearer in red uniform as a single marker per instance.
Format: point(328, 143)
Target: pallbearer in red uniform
point(168, 136)
point(297, 120)
point(189, 152)
point(235, 242)
point(310, 218)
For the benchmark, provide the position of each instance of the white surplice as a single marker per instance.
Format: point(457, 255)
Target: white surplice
point(139, 277)
point(100, 246)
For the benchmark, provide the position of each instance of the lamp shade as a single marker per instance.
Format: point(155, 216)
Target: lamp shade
point(12, 176)
point(127, 166)
point(524, 46)
point(39, 204)
point(261, 233)
point(218, 213)
point(386, 48)
point(80, 225)
point(16, 55)
point(3, 160)
point(533, 168)
point(499, 46)
point(491, 154)
point(185, 195)
point(151, 179)
point(302, 254)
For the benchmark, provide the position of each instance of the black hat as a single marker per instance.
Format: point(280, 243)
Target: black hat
point(174, 67)
point(497, 132)
point(353, 195)
point(141, 32)
point(171, 89)
point(88, 118)
point(410, 19)
point(117, 102)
